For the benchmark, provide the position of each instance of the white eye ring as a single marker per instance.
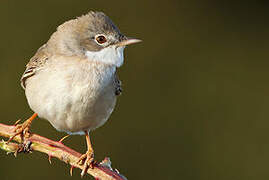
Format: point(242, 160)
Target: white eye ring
point(100, 39)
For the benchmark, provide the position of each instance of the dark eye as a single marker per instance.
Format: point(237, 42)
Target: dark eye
point(101, 39)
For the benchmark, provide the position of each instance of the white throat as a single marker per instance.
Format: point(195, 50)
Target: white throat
point(109, 55)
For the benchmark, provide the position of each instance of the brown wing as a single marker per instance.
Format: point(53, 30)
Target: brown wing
point(118, 88)
point(35, 63)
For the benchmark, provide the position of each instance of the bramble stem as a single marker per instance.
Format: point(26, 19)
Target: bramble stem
point(56, 149)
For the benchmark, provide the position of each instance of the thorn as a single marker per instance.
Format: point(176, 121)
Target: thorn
point(15, 153)
point(106, 162)
point(117, 171)
point(11, 138)
point(17, 122)
point(71, 170)
point(61, 140)
point(50, 159)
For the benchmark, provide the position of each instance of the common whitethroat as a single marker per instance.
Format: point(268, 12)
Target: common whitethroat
point(71, 80)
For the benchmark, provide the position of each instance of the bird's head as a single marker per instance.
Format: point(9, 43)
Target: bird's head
point(93, 36)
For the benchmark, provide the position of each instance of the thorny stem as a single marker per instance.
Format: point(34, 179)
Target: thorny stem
point(56, 149)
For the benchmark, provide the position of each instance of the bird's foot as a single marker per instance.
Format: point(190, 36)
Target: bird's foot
point(22, 129)
point(87, 160)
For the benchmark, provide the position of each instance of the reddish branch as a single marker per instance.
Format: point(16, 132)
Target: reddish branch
point(56, 149)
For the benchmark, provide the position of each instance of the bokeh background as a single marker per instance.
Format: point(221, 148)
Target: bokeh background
point(195, 104)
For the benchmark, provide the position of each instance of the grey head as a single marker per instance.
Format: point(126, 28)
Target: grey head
point(92, 33)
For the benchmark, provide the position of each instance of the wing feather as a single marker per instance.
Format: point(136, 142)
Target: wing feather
point(35, 63)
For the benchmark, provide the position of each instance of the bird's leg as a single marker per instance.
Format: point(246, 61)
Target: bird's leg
point(23, 129)
point(87, 158)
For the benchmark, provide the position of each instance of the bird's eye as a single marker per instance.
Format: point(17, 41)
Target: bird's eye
point(101, 39)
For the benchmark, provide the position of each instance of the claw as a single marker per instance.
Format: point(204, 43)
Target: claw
point(87, 161)
point(50, 159)
point(22, 129)
point(85, 158)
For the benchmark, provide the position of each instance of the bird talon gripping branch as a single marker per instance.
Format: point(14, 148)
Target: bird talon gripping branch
point(22, 129)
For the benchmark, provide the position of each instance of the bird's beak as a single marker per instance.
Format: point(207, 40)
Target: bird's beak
point(128, 41)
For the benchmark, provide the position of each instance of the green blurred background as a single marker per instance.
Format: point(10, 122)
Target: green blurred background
point(196, 91)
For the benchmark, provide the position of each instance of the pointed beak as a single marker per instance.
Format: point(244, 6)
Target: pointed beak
point(128, 41)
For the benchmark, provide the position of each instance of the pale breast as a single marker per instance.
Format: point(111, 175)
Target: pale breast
point(73, 96)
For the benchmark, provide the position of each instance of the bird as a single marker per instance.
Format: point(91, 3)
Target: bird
point(72, 79)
